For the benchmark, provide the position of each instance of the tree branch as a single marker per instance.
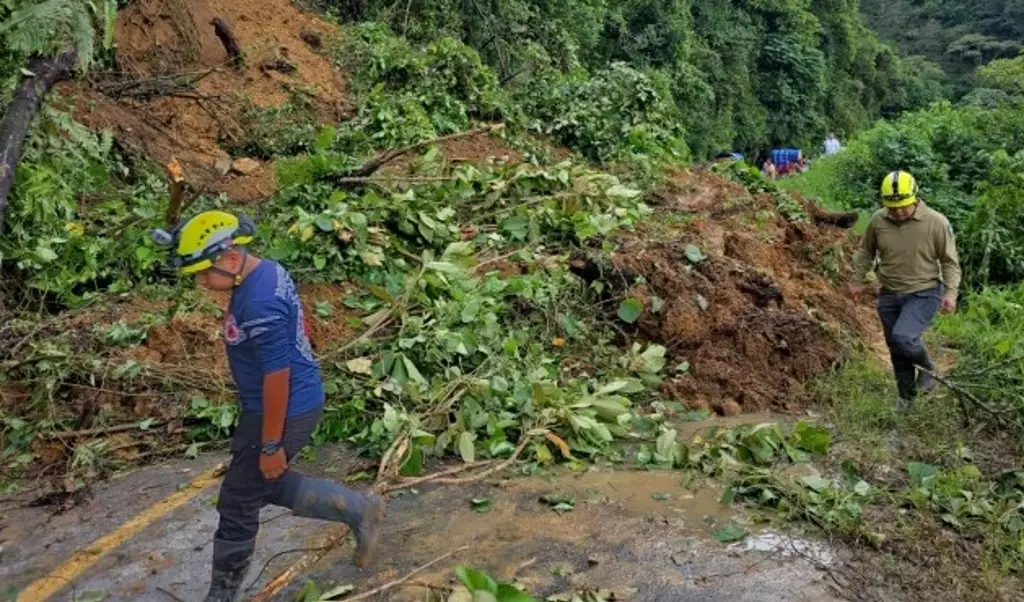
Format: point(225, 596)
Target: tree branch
point(22, 110)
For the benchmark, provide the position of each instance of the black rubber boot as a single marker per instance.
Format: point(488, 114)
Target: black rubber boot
point(327, 500)
point(231, 561)
point(926, 383)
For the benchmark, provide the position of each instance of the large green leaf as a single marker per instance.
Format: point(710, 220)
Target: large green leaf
point(812, 438)
point(507, 593)
point(630, 310)
point(476, 580)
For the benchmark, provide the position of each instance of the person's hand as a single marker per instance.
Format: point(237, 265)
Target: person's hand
point(857, 291)
point(948, 305)
point(274, 465)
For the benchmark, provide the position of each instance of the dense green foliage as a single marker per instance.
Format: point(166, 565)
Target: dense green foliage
point(49, 27)
point(744, 75)
point(961, 35)
point(50, 243)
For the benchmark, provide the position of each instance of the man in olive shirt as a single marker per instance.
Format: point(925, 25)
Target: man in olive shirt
point(919, 272)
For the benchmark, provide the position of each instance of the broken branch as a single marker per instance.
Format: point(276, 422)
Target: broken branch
point(228, 39)
point(483, 475)
point(407, 483)
point(386, 157)
point(1000, 416)
point(120, 428)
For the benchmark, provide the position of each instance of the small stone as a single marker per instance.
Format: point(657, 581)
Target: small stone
point(245, 166)
point(313, 38)
point(223, 166)
point(731, 408)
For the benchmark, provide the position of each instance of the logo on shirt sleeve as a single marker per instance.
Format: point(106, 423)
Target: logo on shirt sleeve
point(232, 333)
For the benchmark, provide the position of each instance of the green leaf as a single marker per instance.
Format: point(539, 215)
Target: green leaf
point(92, 595)
point(693, 254)
point(630, 310)
point(412, 370)
point(812, 438)
point(413, 464)
point(484, 596)
point(657, 303)
point(319, 262)
point(325, 223)
point(324, 309)
point(922, 475)
point(862, 488)
point(683, 367)
point(476, 580)
point(728, 497)
point(816, 482)
point(654, 359)
point(466, 447)
point(728, 533)
point(45, 254)
point(517, 226)
point(507, 593)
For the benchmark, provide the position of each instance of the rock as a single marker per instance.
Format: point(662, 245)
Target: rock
point(313, 38)
point(245, 166)
point(731, 408)
point(223, 166)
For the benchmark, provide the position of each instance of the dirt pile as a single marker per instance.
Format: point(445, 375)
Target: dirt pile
point(158, 39)
point(738, 292)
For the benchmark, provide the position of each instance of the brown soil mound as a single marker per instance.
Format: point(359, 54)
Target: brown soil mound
point(757, 318)
point(161, 37)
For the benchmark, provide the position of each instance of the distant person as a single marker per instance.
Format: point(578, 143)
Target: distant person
point(919, 272)
point(768, 169)
point(832, 145)
point(281, 393)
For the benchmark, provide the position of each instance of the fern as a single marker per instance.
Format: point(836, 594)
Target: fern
point(51, 26)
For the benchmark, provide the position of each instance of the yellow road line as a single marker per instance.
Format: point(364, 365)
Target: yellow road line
point(41, 589)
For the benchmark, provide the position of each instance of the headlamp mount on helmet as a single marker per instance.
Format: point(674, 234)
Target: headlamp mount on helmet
point(245, 229)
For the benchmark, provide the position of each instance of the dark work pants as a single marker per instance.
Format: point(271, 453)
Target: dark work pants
point(905, 317)
point(244, 490)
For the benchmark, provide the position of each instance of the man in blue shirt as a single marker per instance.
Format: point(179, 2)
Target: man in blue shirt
point(281, 393)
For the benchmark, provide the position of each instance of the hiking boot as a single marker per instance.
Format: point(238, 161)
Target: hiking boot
point(327, 500)
point(231, 561)
point(903, 406)
point(367, 530)
point(926, 383)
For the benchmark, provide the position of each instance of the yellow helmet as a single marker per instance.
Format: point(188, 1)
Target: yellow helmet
point(899, 189)
point(198, 241)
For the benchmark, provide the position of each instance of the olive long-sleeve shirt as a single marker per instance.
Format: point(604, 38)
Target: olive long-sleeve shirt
point(912, 255)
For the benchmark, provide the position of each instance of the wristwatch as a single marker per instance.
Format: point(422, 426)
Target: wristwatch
point(269, 448)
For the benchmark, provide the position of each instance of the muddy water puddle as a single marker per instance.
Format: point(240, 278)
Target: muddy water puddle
point(639, 534)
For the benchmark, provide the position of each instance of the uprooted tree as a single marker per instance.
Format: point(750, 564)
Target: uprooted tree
point(42, 74)
point(52, 38)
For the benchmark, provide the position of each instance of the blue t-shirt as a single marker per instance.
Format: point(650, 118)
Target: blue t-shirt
point(265, 331)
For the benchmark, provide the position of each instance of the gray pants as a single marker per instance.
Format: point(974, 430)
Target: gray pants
point(244, 490)
point(905, 317)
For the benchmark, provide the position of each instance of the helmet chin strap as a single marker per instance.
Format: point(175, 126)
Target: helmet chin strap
point(237, 276)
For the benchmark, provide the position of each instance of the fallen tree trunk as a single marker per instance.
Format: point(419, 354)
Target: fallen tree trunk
point(18, 117)
point(840, 220)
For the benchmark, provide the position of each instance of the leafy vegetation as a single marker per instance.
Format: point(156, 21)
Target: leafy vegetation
point(50, 27)
point(961, 35)
point(741, 76)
